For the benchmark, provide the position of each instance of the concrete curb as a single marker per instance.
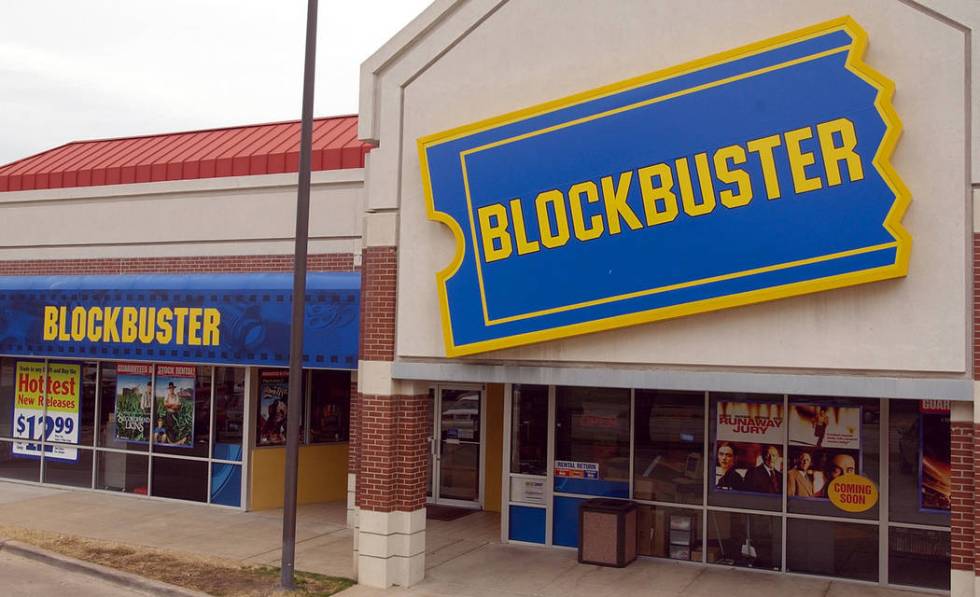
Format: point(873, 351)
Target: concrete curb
point(123, 579)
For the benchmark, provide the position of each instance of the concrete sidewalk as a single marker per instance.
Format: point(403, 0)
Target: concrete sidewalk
point(464, 557)
point(324, 544)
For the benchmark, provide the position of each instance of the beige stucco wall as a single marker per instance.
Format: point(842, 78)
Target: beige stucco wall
point(526, 52)
point(244, 215)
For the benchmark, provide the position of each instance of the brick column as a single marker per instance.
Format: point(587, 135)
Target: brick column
point(965, 461)
point(962, 522)
point(392, 429)
point(353, 452)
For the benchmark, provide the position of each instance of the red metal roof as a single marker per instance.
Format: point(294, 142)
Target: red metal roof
point(235, 151)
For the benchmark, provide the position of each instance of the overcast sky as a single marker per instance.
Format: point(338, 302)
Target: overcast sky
point(86, 69)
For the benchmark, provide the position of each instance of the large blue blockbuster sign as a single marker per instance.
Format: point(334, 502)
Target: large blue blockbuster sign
point(753, 175)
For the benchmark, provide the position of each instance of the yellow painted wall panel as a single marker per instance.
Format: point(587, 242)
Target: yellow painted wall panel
point(322, 475)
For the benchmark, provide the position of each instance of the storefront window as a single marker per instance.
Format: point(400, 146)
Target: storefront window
point(229, 412)
point(673, 533)
point(226, 484)
point(75, 471)
point(16, 466)
point(746, 434)
point(749, 540)
point(7, 397)
point(918, 557)
point(180, 479)
point(592, 441)
point(919, 462)
point(841, 549)
point(116, 471)
point(329, 406)
point(127, 410)
point(829, 437)
point(325, 407)
point(668, 459)
point(529, 430)
point(126, 397)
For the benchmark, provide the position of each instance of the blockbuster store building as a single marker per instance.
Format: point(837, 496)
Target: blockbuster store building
point(713, 258)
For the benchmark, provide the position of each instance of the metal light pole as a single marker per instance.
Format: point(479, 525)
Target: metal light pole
point(295, 402)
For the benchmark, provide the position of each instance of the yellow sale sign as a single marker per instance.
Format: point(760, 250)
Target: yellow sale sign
point(46, 405)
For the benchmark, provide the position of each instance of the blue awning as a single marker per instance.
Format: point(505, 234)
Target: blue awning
point(199, 318)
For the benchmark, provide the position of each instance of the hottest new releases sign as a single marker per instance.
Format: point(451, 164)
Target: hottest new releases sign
point(756, 174)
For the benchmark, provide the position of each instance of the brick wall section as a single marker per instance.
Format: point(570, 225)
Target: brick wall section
point(322, 262)
point(379, 269)
point(412, 456)
point(394, 453)
point(354, 422)
point(962, 521)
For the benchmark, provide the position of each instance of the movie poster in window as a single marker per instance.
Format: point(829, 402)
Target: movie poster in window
point(824, 443)
point(935, 470)
point(134, 401)
point(174, 414)
point(748, 447)
point(273, 394)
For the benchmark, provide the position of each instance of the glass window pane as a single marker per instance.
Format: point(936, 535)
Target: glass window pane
point(673, 533)
point(668, 453)
point(529, 430)
point(829, 437)
point(747, 540)
point(182, 411)
point(226, 484)
point(128, 386)
point(918, 558)
point(86, 425)
point(841, 549)
point(592, 436)
point(7, 397)
point(16, 466)
point(180, 479)
point(229, 412)
point(918, 494)
point(77, 472)
point(116, 471)
point(459, 445)
point(270, 422)
point(746, 434)
point(23, 403)
point(329, 406)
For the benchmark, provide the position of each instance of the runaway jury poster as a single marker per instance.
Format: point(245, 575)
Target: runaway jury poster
point(748, 447)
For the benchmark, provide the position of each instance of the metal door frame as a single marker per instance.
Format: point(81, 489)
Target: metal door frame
point(435, 446)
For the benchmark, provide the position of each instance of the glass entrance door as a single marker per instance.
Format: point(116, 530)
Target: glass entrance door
point(455, 446)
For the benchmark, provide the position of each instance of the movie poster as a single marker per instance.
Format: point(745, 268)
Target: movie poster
point(273, 393)
point(748, 447)
point(174, 413)
point(134, 401)
point(935, 483)
point(824, 443)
